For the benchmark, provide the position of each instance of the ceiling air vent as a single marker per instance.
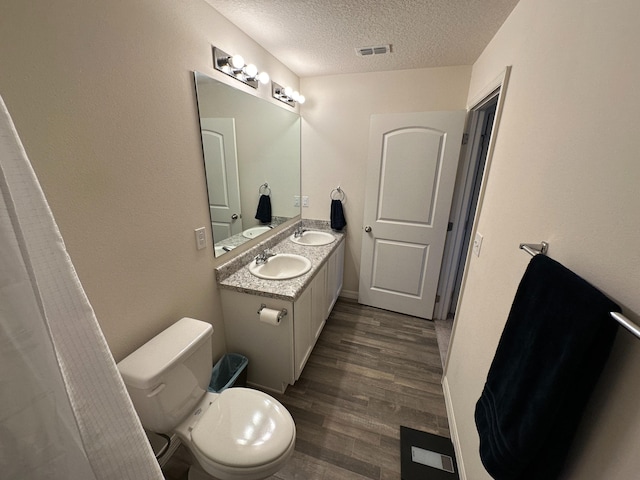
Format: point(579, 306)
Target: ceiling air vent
point(377, 50)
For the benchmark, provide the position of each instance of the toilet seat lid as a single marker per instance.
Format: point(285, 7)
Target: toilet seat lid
point(244, 428)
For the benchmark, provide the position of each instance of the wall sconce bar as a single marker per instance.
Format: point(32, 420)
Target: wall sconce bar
point(234, 66)
point(286, 95)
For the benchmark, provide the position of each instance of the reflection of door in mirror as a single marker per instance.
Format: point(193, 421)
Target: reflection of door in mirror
point(221, 167)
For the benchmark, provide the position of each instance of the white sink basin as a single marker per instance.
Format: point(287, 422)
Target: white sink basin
point(313, 238)
point(283, 266)
point(253, 232)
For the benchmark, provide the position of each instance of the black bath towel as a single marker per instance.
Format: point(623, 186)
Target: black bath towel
point(554, 345)
point(264, 209)
point(338, 222)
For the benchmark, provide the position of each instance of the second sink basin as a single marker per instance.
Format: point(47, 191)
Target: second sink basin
point(283, 266)
point(253, 232)
point(313, 237)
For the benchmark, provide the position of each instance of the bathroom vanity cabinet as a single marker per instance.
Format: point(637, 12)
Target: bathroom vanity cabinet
point(278, 353)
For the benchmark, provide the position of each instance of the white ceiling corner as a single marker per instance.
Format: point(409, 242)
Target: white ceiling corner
point(319, 37)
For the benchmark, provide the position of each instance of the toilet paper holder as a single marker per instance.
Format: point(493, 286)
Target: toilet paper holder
point(282, 313)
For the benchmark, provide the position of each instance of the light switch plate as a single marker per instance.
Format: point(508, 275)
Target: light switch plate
point(201, 238)
point(477, 243)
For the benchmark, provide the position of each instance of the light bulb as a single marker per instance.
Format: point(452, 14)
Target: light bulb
point(288, 91)
point(251, 70)
point(295, 95)
point(301, 99)
point(237, 62)
point(263, 78)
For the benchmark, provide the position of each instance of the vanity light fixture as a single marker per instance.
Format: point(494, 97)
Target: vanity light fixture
point(234, 66)
point(286, 94)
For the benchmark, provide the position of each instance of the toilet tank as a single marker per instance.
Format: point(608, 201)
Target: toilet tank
point(167, 376)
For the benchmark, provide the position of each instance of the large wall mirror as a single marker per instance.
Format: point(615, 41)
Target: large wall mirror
point(251, 151)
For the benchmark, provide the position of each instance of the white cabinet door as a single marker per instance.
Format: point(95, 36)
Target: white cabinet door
point(302, 310)
point(319, 297)
point(335, 270)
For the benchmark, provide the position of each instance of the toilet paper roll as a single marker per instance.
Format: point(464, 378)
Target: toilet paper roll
point(270, 316)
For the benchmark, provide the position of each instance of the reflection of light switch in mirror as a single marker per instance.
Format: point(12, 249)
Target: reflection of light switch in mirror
point(296, 200)
point(305, 200)
point(477, 243)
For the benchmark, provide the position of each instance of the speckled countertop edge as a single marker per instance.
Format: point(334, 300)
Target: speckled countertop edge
point(233, 275)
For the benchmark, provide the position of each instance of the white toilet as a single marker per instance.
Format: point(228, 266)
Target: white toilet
point(239, 434)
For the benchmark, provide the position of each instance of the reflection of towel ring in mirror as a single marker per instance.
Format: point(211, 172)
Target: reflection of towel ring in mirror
point(265, 189)
point(337, 194)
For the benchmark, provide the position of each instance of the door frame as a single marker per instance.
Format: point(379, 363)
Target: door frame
point(453, 254)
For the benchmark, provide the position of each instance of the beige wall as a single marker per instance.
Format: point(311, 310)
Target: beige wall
point(565, 170)
point(102, 96)
point(335, 136)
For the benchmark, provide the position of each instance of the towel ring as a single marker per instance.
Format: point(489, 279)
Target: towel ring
point(264, 189)
point(340, 193)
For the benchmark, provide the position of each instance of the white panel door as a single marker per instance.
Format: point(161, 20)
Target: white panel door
point(221, 166)
point(411, 172)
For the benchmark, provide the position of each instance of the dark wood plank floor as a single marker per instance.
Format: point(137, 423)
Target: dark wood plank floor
point(370, 372)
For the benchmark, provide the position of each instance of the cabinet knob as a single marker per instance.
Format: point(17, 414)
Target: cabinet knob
point(367, 229)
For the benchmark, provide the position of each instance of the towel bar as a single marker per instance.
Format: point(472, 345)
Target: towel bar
point(542, 248)
point(535, 248)
point(626, 323)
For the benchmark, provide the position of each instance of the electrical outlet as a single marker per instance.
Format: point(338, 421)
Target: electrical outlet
point(201, 238)
point(296, 200)
point(477, 243)
point(305, 200)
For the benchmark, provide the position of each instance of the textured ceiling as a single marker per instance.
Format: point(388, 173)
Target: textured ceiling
point(319, 37)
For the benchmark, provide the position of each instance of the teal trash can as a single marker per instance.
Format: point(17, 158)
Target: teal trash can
point(230, 371)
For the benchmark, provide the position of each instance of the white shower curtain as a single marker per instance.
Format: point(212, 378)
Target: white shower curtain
point(64, 411)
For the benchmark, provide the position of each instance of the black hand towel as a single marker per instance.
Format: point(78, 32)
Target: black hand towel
point(554, 345)
point(338, 222)
point(264, 209)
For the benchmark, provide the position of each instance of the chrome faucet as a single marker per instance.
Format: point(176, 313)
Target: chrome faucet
point(263, 257)
point(298, 232)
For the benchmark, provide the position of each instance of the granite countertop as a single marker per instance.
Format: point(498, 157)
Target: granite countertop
point(235, 275)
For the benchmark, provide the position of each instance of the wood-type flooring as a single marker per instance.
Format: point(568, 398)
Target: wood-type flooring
point(370, 372)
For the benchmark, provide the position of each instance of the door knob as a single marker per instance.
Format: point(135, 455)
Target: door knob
point(367, 229)
point(234, 216)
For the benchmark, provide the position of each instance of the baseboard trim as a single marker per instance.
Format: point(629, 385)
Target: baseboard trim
point(350, 294)
point(453, 429)
point(258, 386)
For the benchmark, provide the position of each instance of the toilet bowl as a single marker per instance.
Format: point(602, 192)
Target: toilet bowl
point(238, 434)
